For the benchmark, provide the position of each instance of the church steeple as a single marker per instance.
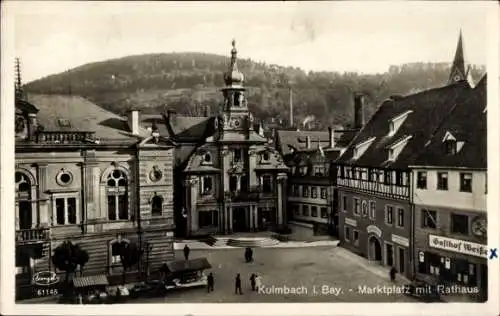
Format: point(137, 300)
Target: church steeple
point(459, 71)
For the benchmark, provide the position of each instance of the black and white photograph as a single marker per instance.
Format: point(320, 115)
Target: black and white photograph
point(192, 153)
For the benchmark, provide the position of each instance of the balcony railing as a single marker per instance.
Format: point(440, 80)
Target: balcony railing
point(32, 235)
point(390, 190)
point(61, 137)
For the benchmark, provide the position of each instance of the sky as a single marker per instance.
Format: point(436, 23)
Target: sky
point(360, 36)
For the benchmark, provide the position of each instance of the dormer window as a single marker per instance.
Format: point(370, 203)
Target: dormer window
point(63, 122)
point(360, 148)
point(397, 147)
point(450, 147)
point(396, 122)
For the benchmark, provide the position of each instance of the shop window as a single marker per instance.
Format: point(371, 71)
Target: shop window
point(429, 219)
point(324, 212)
point(305, 210)
point(421, 262)
point(442, 181)
point(389, 214)
point(314, 211)
point(355, 237)
point(314, 192)
point(434, 263)
point(208, 218)
point(323, 193)
point(460, 224)
point(347, 233)
point(357, 206)
point(401, 217)
point(466, 182)
point(372, 210)
point(465, 272)
point(422, 180)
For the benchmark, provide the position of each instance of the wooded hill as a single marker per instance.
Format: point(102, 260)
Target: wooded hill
point(188, 83)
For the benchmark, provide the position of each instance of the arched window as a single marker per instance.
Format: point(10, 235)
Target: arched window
point(156, 205)
point(23, 192)
point(117, 192)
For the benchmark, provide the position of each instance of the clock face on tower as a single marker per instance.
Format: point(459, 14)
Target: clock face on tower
point(479, 227)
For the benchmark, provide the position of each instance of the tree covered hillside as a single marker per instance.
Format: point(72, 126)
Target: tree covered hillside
point(189, 83)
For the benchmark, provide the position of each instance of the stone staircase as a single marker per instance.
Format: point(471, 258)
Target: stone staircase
point(217, 241)
point(257, 242)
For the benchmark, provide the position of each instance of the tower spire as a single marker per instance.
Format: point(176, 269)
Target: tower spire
point(18, 82)
point(458, 70)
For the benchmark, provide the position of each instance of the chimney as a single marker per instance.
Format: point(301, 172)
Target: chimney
point(331, 133)
point(359, 119)
point(133, 121)
point(308, 142)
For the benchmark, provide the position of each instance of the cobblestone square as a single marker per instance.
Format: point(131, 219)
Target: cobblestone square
point(317, 274)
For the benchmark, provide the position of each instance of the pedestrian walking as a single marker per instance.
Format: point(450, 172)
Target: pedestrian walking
point(258, 282)
point(248, 254)
point(186, 252)
point(392, 274)
point(210, 282)
point(237, 284)
point(252, 281)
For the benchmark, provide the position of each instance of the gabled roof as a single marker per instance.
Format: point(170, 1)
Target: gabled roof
point(467, 123)
point(429, 108)
point(75, 113)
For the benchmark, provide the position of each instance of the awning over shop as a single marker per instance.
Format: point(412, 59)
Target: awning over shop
point(94, 280)
point(186, 265)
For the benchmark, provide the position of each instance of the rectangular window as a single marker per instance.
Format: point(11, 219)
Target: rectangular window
point(344, 203)
point(465, 182)
point(401, 217)
point(305, 210)
point(71, 208)
point(460, 224)
point(305, 191)
point(422, 180)
point(314, 192)
point(314, 211)
point(373, 208)
point(237, 155)
point(206, 185)
point(355, 237)
point(357, 207)
point(347, 233)
point(323, 193)
point(324, 212)
point(267, 184)
point(429, 219)
point(342, 172)
point(111, 207)
point(233, 183)
point(442, 181)
point(387, 177)
point(208, 218)
point(60, 213)
point(389, 213)
point(296, 190)
point(399, 178)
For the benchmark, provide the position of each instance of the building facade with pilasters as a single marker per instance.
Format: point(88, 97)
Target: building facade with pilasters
point(90, 177)
point(228, 176)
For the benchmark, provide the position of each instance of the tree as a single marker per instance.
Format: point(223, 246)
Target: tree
point(68, 256)
point(129, 254)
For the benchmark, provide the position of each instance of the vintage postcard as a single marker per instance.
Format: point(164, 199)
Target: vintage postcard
point(184, 158)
